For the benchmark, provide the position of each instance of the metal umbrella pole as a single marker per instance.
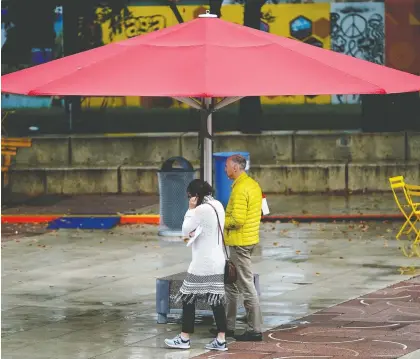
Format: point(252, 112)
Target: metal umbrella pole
point(205, 134)
point(206, 141)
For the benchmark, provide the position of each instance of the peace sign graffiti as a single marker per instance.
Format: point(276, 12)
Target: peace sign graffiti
point(353, 25)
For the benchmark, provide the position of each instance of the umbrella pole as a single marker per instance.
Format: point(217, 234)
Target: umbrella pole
point(71, 115)
point(206, 145)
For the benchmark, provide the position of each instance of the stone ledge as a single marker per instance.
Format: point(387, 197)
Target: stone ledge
point(300, 178)
point(368, 177)
point(271, 147)
point(45, 151)
point(64, 180)
point(287, 178)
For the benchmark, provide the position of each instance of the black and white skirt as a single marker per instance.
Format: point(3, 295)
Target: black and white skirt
point(211, 288)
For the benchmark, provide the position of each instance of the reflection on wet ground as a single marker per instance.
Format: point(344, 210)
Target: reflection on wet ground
point(80, 294)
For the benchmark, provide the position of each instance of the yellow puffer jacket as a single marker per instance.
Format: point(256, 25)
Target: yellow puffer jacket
point(243, 213)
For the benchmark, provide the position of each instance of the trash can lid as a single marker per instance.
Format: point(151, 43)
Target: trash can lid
point(186, 165)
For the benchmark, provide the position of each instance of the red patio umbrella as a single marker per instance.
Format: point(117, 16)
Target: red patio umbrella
point(204, 58)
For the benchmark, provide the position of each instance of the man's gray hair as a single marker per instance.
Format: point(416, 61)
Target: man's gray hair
point(240, 160)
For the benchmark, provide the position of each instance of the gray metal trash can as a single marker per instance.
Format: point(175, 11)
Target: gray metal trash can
point(173, 183)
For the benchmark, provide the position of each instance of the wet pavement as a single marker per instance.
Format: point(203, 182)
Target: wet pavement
point(298, 204)
point(91, 294)
point(16, 231)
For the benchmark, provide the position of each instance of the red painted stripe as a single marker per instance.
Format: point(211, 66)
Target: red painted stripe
point(29, 218)
point(337, 217)
point(140, 219)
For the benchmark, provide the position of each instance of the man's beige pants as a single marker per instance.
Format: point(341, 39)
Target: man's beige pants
point(241, 257)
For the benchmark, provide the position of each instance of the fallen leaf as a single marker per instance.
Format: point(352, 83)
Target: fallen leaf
point(297, 252)
point(341, 257)
point(317, 273)
point(275, 244)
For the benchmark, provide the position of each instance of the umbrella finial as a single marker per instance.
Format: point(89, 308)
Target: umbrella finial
point(207, 14)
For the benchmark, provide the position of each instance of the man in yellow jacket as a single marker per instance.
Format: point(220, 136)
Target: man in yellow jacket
point(242, 226)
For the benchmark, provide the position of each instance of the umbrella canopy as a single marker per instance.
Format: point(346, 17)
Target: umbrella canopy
point(208, 57)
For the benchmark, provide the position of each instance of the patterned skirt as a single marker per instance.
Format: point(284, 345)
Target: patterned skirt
point(211, 288)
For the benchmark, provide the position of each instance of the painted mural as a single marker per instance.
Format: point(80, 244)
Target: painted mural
point(18, 53)
point(358, 30)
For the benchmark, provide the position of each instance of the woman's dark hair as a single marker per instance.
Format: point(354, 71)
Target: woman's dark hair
point(199, 188)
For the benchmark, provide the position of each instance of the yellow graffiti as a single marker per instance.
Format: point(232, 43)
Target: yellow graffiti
point(276, 19)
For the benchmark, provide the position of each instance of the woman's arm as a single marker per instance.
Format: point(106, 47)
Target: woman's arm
point(191, 221)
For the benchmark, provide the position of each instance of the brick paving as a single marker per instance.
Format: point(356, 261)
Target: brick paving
point(383, 324)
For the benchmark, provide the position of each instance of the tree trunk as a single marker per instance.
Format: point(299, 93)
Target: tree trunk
point(250, 110)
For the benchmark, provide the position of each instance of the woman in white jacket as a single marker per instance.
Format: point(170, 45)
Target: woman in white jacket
point(205, 278)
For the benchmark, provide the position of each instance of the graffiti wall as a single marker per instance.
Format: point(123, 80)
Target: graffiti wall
point(20, 51)
point(403, 35)
point(358, 30)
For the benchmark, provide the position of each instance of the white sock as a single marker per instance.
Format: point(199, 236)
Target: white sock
point(184, 339)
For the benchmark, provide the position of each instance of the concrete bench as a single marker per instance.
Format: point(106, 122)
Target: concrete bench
point(167, 287)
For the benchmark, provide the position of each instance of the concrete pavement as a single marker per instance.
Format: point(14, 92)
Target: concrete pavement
point(91, 294)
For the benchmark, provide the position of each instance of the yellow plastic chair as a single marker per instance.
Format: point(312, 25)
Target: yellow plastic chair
point(398, 187)
point(413, 196)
